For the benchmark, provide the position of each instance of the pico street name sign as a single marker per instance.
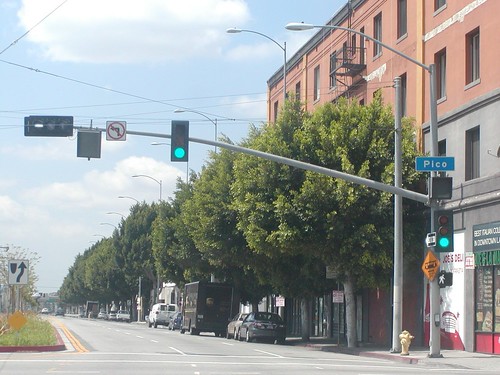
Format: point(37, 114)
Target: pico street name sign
point(434, 163)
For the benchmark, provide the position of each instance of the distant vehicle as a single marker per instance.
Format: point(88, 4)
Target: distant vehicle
point(208, 307)
point(112, 315)
point(233, 328)
point(92, 309)
point(263, 325)
point(60, 311)
point(45, 310)
point(123, 316)
point(102, 315)
point(175, 321)
point(160, 314)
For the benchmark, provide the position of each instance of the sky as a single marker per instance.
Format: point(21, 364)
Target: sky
point(132, 61)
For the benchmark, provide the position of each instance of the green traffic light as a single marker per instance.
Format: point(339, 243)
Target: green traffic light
point(179, 152)
point(444, 242)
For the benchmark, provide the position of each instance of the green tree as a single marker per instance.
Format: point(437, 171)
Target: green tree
point(212, 224)
point(296, 216)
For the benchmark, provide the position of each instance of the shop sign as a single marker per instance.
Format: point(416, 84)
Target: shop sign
point(487, 258)
point(486, 237)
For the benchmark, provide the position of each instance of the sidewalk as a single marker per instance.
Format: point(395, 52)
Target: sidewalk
point(418, 356)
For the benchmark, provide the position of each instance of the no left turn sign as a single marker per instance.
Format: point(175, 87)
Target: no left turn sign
point(116, 130)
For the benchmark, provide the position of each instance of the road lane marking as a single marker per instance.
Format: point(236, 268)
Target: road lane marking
point(177, 350)
point(72, 339)
point(268, 353)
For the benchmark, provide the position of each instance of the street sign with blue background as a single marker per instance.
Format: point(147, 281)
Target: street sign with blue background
point(434, 163)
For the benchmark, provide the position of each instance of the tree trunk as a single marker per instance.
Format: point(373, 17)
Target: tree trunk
point(328, 315)
point(305, 318)
point(350, 308)
point(255, 306)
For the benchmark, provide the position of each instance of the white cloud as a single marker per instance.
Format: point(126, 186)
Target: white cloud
point(130, 31)
point(100, 189)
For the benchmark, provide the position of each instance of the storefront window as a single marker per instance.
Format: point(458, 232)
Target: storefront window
point(484, 299)
point(497, 299)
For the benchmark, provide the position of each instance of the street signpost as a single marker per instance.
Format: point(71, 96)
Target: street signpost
point(430, 266)
point(434, 163)
point(18, 272)
point(116, 130)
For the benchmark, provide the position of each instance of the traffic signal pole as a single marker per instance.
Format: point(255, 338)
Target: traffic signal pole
point(418, 197)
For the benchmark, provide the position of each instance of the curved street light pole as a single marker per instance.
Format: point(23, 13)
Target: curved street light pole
point(182, 110)
point(151, 178)
point(114, 226)
point(435, 339)
point(235, 30)
point(128, 197)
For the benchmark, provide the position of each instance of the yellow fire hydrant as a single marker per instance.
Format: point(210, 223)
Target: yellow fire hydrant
point(405, 338)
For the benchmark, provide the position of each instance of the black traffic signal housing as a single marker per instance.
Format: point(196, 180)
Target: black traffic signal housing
point(445, 279)
point(443, 225)
point(179, 150)
point(440, 187)
point(48, 126)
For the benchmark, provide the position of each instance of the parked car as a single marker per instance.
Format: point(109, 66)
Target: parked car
point(175, 321)
point(233, 328)
point(60, 311)
point(102, 315)
point(123, 316)
point(263, 325)
point(112, 315)
point(45, 310)
point(160, 314)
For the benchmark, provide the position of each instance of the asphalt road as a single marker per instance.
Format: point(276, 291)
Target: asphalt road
point(104, 347)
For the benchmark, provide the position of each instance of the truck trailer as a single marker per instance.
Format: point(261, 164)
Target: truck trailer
point(208, 307)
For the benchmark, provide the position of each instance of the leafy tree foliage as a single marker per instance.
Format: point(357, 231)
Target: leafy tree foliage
point(212, 224)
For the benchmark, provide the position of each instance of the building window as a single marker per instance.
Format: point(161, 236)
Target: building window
point(362, 46)
point(438, 4)
point(472, 154)
point(402, 18)
point(297, 91)
point(333, 67)
point(316, 84)
point(472, 56)
point(442, 148)
point(377, 34)
point(440, 61)
point(403, 94)
point(275, 107)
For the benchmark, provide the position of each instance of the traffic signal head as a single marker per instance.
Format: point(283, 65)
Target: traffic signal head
point(180, 141)
point(443, 224)
point(48, 126)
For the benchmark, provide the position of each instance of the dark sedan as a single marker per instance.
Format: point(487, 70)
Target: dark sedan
point(262, 325)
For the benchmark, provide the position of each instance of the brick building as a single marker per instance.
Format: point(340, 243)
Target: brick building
point(459, 37)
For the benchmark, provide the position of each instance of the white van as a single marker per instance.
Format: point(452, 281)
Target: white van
point(160, 314)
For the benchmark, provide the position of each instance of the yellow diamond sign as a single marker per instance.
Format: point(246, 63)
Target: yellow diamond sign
point(430, 266)
point(17, 320)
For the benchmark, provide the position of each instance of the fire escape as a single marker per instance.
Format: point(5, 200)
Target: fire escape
point(347, 63)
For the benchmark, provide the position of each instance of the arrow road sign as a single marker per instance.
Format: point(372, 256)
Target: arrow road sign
point(18, 272)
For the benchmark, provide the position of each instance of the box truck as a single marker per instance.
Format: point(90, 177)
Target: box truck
point(208, 307)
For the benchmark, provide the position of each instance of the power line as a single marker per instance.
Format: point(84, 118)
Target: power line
point(27, 32)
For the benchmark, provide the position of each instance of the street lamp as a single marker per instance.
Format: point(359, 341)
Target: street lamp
point(126, 196)
point(435, 339)
point(151, 178)
point(182, 110)
point(114, 226)
point(235, 30)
